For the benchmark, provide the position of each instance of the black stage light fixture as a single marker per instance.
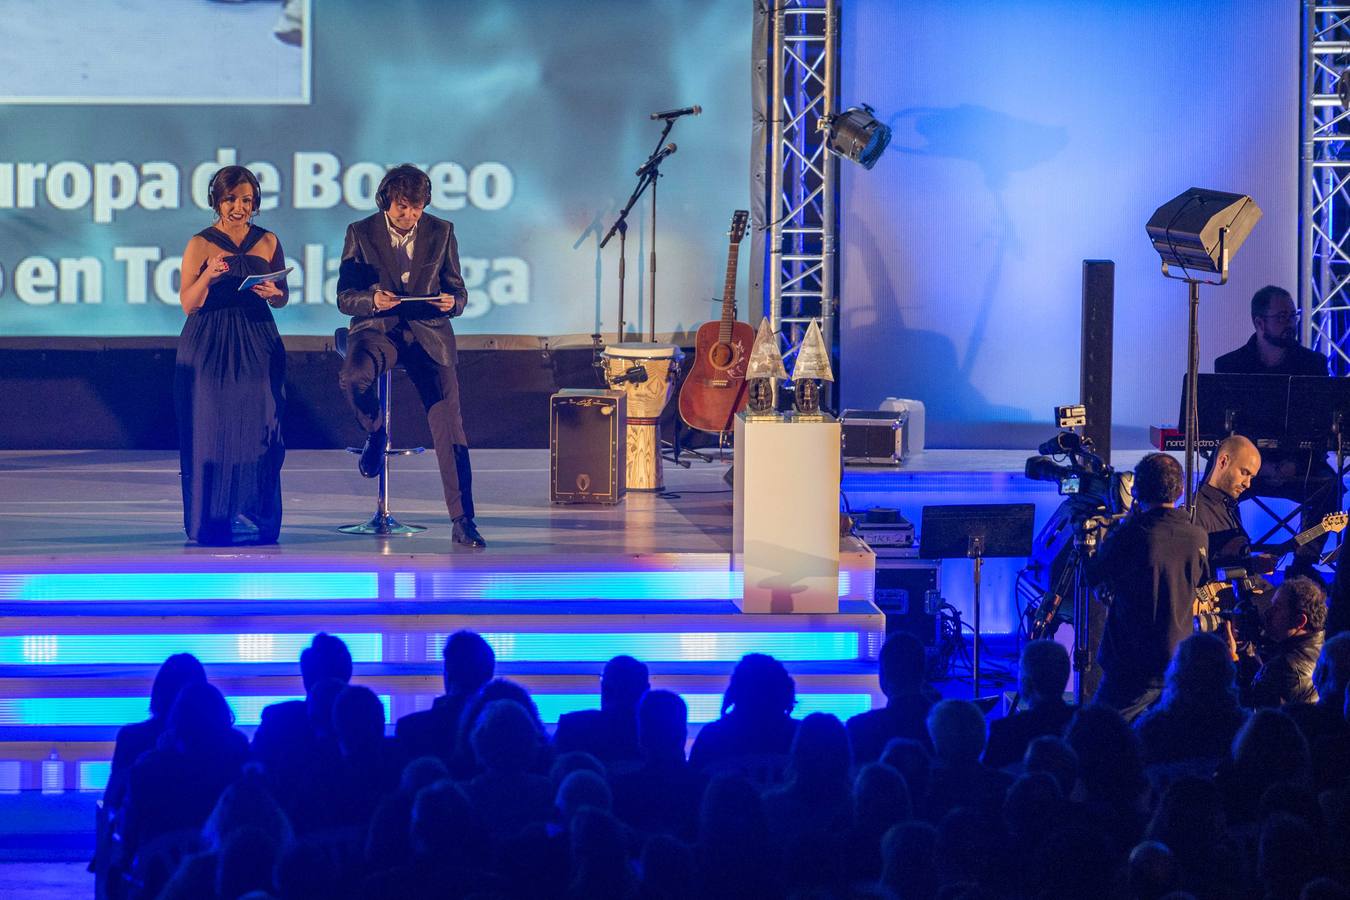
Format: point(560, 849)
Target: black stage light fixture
point(1198, 232)
point(1343, 87)
point(857, 135)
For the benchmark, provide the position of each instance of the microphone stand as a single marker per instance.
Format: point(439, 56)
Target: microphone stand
point(647, 175)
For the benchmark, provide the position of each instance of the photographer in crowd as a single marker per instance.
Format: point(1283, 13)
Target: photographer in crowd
point(1151, 566)
point(1292, 633)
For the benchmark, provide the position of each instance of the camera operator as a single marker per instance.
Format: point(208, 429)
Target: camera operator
point(1292, 632)
point(1151, 565)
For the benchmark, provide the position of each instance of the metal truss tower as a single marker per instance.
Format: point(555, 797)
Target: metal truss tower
point(800, 215)
point(1324, 183)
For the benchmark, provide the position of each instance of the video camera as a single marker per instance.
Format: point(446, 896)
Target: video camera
point(1086, 477)
point(1238, 596)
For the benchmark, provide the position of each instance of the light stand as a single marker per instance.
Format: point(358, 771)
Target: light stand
point(1197, 231)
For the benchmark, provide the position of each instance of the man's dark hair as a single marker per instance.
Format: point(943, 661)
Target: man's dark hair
point(1307, 598)
point(663, 721)
point(1043, 670)
point(1158, 479)
point(325, 657)
point(469, 662)
point(1261, 299)
point(404, 182)
point(902, 664)
point(623, 683)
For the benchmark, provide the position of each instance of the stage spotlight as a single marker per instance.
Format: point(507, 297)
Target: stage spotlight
point(856, 134)
point(1343, 87)
point(1200, 230)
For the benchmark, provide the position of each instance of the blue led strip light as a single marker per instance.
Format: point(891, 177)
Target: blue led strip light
point(717, 584)
point(120, 710)
point(704, 708)
point(162, 586)
point(74, 711)
point(664, 646)
point(570, 585)
point(95, 649)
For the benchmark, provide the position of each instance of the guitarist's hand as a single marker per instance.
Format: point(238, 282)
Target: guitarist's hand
point(1263, 563)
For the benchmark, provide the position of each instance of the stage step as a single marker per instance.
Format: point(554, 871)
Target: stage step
point(80, 640)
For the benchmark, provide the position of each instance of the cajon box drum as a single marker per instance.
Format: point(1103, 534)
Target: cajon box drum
point(586, 439)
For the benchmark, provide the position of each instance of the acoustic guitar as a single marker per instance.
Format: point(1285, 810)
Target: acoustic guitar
point(714, 390)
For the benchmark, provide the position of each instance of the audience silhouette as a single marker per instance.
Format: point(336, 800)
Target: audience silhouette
point(609, 733)
point(902, 668)
point(756, 728)
point(1042, 678)
point(1198, 798)
point(469, 664)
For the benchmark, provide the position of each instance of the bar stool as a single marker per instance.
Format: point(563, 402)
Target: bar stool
point(383, 522)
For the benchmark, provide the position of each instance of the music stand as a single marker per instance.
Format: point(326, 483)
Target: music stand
point(1319, 420)
point(978, 532)
point(1254, 406)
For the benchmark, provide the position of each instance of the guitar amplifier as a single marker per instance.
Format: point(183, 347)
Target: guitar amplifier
point(587, 441)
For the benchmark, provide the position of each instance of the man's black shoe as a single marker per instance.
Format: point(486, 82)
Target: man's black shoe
point(466, 533)
point(371, 463)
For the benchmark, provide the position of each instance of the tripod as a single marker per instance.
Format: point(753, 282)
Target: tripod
point(1072, 585)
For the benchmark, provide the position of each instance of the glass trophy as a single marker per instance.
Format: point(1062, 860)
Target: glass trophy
point(765, 364)
point(811, 367)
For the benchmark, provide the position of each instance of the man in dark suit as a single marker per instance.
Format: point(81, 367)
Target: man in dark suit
point(1273, 349)
point(396, 254)
point(1042, 676)
point(469, 664)
point(901, 669)
point(609, 733)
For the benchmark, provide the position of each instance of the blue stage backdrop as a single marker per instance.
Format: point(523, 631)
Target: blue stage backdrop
point(530, 116)
point(1030, 136)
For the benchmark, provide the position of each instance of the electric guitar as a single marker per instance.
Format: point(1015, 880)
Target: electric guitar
point(1218, 596)
point(714, 390)
point(1332, 523)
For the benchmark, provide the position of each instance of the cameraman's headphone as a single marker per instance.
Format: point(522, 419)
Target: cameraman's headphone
point(406, 170)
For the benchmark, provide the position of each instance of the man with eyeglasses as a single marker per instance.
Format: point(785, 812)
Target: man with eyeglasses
point(1291, 474)
point(1274, 348)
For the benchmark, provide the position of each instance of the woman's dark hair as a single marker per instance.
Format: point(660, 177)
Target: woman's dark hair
point(404, 182)
point(226, 180)
point(200, 716)
point(176, 673)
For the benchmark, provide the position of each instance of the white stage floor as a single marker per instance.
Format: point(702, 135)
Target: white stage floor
point(111, 503)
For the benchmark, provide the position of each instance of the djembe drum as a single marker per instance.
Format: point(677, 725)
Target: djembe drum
point(646, 373)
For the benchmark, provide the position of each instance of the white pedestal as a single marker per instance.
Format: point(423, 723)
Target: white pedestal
point(785, 526)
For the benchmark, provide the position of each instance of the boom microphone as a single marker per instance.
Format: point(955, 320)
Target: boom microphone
point(656, 159)
point(676, 113)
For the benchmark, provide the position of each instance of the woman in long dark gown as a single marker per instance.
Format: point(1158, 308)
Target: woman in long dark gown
point(231, 366)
